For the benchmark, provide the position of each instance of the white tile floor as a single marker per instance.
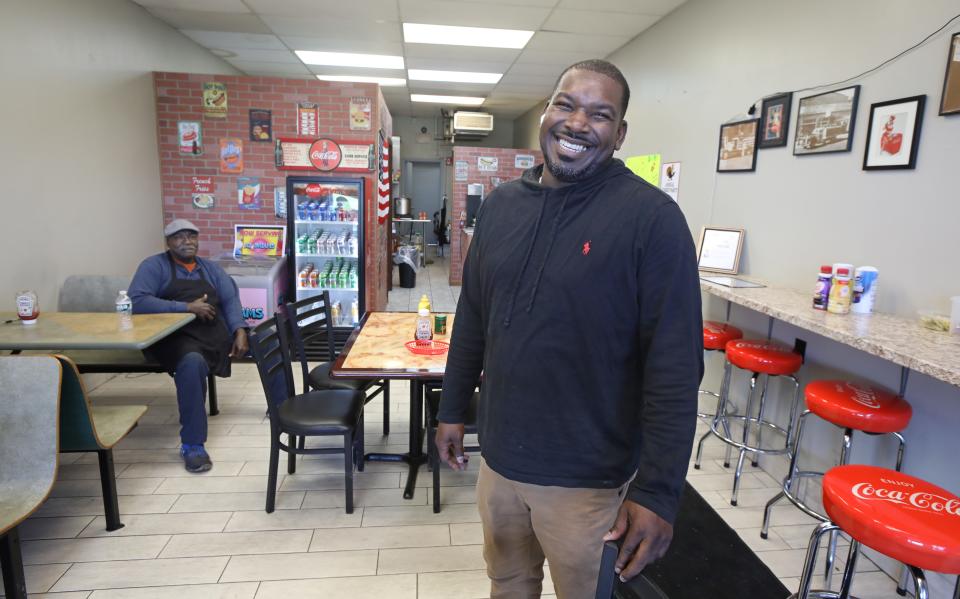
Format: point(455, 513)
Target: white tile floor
point(207, 536)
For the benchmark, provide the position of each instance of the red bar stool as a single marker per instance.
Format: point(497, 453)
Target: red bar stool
point(901, 516)
point(852, 407)
point(715, 337)
point(761, 358)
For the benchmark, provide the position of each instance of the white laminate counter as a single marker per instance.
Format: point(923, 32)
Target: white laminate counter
point(895, 338)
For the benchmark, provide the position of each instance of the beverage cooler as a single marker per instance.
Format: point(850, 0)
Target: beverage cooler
point(325, 245)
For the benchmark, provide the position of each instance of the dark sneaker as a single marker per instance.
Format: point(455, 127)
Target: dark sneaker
point(195, 458)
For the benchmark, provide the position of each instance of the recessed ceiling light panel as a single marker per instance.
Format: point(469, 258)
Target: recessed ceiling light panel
point(384, 81)
point(419, 33)
point(456, 100)
point(454, 76)
point(345, 59)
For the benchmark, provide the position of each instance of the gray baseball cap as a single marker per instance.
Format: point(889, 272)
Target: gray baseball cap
point(180, 224)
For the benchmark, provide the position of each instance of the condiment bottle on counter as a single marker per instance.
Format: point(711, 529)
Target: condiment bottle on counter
point(821, 292)
point(424, 303)
point(841, 292)
point(424, 332)
point(28, 308)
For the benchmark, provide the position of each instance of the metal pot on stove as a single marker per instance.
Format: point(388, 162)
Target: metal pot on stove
point(401, 207)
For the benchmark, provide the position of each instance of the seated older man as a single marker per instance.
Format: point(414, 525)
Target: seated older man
point(178, 281)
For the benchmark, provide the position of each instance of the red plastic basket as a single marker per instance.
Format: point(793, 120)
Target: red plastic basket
point(428, 348)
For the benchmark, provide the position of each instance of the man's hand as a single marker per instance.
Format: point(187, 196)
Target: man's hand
point(450, 445)
point(646, 537)
point(202, 309)
point(240, 345)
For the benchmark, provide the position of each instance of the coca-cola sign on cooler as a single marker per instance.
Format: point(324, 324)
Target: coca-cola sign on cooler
point(314, 190)
point(325, 154)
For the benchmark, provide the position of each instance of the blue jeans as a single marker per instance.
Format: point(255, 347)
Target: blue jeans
point(190, 378)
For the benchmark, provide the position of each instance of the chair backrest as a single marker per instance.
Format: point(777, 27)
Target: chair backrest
point(91, 293)
point(80, 430)
point(269, 345)
point(29, 434)
point(310, 320)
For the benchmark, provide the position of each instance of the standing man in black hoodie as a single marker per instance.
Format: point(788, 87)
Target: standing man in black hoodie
point(581, 305)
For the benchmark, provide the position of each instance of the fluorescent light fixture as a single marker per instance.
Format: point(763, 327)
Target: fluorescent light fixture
point(459, 100)
point(345, 59)
point(384, 81)
point(455, 76)
point(418, 33)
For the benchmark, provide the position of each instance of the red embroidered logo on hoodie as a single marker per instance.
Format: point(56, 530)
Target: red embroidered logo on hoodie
point(586, 248)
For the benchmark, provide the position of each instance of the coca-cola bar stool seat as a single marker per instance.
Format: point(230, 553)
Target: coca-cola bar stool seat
point(901, 516)
point(852, 407)
point(761, 358)
point(716, 335)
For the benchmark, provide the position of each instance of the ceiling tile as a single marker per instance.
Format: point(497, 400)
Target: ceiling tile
point(598, 23)
point(547, 79)
point(345, 44)
point(472, 14)
point(218, 6)
point(210, 21)
point(597, 45)
point(540, 3)
point(553, 58)
point(329, 70)
point(271, 69)
point(646, 7)
point(357, 27)
point(369, 10)
point(233, 41)
point(274, 56)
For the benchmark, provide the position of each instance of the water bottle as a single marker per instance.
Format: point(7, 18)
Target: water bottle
point(125, 310)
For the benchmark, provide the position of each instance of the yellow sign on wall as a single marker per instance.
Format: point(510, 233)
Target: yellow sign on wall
point(646, 167)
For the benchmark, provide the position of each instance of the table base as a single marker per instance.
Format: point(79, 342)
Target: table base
point(414, 457)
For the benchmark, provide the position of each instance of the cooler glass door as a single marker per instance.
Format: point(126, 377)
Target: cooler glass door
point(326, 242)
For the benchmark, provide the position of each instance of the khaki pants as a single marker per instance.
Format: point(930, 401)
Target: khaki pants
point(523, 523)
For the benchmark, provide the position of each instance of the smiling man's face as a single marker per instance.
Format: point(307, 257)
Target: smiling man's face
point(581, 128)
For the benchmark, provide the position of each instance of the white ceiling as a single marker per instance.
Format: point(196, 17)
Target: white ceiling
point(258, 37)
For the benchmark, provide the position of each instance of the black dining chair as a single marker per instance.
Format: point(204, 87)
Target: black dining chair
point(330, 412)
point(310, 321)
point(470, 427)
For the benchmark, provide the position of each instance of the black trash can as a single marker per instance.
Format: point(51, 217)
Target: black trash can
point(408, 276)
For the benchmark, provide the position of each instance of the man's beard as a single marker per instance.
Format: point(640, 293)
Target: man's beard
point(569, 174)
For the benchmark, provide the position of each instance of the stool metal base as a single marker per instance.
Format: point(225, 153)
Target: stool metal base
point(750, 422)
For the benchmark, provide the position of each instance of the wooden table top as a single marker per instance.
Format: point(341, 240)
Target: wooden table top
point(376, 349)
point(88, 330)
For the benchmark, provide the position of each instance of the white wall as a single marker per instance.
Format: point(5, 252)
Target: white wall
point(709, 61)
point(705, 64)
point(526, 127)
point(80, 170)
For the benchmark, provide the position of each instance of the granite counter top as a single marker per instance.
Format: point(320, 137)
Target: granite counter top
point(895, 338)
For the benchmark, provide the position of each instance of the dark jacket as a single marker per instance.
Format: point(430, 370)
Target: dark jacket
point(581, 305)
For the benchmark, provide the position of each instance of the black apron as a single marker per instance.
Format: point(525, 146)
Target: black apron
point(211, 339)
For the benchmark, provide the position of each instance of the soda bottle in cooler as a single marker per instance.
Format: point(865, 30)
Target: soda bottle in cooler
point(355, 312)
point(336, 313)
point(352, 279)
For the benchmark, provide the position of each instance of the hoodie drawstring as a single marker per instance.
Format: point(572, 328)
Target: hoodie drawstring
point(553, 236)
point(523, 268)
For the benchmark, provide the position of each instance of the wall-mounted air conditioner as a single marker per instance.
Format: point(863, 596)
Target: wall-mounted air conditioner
point(472, 124)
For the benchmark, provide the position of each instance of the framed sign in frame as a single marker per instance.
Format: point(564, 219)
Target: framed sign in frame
point(719, 249)
point(738, 147)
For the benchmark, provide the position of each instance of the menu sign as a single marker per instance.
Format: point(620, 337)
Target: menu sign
point(323, 155)
point(258, 240)
point(360, 111)
point(308, 118)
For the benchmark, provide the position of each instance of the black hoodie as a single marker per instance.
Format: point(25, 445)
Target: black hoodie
point(581, 305)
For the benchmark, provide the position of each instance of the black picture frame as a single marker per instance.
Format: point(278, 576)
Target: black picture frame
point(738, 141)
point(887, 137)
point(826, 122)
point(775, 121)
point(950, 96)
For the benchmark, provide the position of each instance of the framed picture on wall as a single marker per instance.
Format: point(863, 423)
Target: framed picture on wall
point(894, 134)
point(825, 122)
point(738, 146)
point(950, 100)
point(775, 120)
